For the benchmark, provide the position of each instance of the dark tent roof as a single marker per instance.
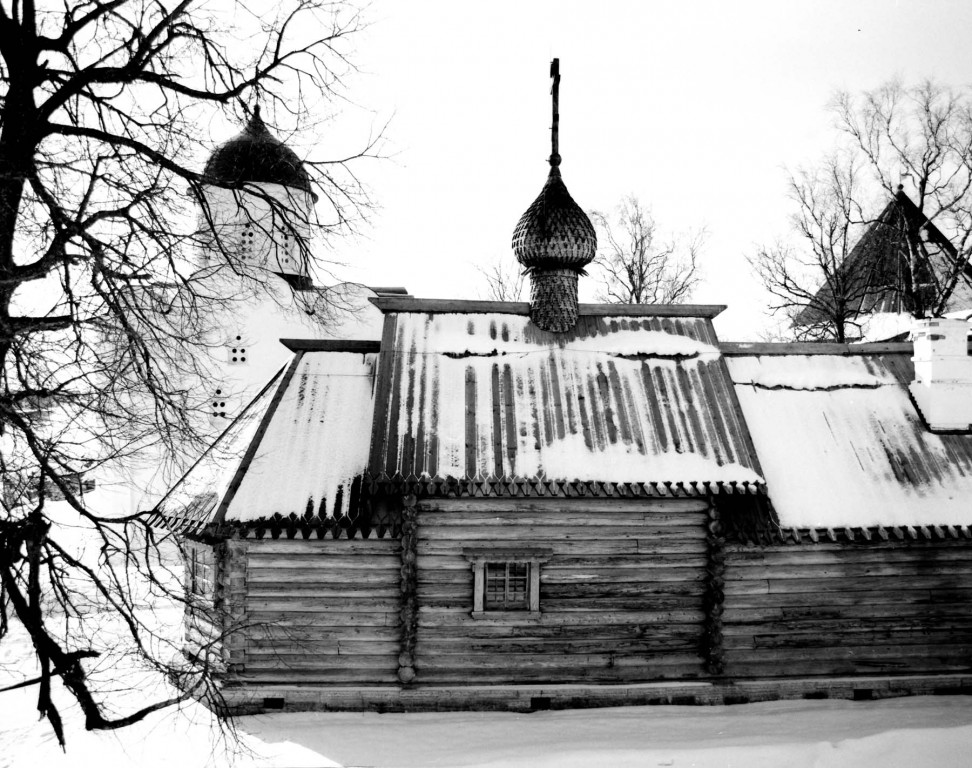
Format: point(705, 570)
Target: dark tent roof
point(256, 155)
point(877, 268)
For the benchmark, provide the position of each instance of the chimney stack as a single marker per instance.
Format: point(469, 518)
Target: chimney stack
point(942, 387)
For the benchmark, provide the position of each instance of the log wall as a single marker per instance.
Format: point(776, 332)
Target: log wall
point(621, 596)
point(842, 609)
point(322, 611)
point(203, 626)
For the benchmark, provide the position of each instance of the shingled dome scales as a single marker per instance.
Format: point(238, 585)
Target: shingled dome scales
point(554, 240)
point(256, 155)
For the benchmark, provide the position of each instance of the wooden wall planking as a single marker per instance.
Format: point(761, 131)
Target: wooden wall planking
point(203, 637)
point(324, 611)
point(620, 596)
point(836, 609)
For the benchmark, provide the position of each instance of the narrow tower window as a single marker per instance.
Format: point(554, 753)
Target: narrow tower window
point(237, 350)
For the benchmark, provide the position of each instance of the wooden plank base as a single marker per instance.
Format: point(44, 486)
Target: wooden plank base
point(526, 698)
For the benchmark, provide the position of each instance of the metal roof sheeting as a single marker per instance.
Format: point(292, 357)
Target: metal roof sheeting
point(842, 444)
point(643, 399)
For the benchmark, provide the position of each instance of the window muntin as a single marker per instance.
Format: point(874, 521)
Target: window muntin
point(506, 580)
point(507, 587)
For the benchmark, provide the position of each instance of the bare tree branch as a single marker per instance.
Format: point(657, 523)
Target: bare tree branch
point(635, 266)
point(104, 207)
point(505, 281)
point(895, 134)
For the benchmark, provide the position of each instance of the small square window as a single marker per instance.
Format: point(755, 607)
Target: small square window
point(506, 580)
point(507, 587)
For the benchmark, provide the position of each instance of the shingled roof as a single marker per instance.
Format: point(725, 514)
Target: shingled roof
point(877, 268)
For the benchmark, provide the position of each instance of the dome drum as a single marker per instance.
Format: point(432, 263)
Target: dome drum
point(553, 299)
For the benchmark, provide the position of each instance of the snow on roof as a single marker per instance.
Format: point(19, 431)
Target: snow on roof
point(618, 399)
point(842, 445)
point(195, 497)
point(316, 442)
point(298, 446)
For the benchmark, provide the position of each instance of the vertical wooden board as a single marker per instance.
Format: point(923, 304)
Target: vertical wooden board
point(725, 392)
point(655, 420)
point(712, 413)
point(691, 408)
point(471, 435)
point(383, 384)
point(559, 417)
point(497, 407)
point(511, 426)
point(583, 408)
point(409, 447)
point(397, 371)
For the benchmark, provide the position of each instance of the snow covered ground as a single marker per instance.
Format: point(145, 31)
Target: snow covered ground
point(921, 731)
point(908, 732)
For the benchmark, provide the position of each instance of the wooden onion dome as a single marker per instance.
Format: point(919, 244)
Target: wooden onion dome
point(554, 240)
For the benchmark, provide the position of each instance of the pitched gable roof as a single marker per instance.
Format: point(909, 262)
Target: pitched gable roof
point(638, 397)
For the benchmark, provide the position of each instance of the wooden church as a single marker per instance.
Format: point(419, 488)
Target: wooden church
point(551, 504)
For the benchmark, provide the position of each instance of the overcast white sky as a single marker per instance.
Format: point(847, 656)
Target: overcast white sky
point(695, 107)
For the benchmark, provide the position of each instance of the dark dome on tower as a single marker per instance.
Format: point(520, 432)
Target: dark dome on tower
point(256, 155)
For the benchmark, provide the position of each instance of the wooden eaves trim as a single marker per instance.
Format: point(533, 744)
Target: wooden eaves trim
point(875, 534)
point(463, 306)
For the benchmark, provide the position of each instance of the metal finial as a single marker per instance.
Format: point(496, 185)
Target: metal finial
point(555, 128)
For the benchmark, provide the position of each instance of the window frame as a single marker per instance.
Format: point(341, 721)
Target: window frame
point(533, 557)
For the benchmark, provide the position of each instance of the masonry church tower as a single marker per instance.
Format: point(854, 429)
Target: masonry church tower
point(256, 225)
point(260, 204)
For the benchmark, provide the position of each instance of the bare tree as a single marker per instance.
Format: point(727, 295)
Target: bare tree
point(813, 284)
point(103, 327)
point(505, 281)
point(913, 257)
point(635, 266)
